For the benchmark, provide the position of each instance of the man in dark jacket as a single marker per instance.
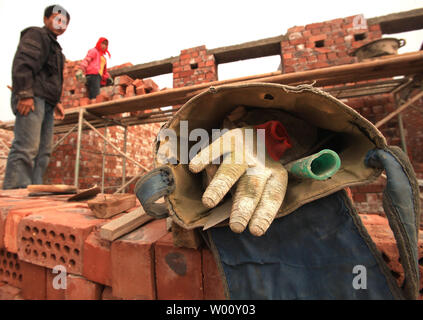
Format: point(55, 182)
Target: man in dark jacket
point(37, 76)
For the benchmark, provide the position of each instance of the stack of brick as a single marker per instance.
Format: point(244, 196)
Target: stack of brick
point(51, 249)
point(194, 66)
point(54, 252)
point(330, 43)
point(324, 44)
point(139, 137)
point(75, 93)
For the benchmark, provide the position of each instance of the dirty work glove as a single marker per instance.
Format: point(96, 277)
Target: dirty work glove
point(79, 75)
point(109, 81)
point(260, 179)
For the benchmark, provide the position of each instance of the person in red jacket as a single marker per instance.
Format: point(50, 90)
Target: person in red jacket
point(94, 66)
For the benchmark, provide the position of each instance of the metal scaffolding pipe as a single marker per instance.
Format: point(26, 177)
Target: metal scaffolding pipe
point(78, 147)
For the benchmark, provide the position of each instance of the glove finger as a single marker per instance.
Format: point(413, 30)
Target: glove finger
point(270, 202)
point(223, 145)
point(247, 195)
point(226, 176)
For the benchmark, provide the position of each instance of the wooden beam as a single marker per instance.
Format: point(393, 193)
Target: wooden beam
point(248, 50)
point(54, 188)
point(399, 22)
point(146, 70)
point(388, 66)
point(399, 110)
point(124, 224)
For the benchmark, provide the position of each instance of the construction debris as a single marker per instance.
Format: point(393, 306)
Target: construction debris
point(106, 205)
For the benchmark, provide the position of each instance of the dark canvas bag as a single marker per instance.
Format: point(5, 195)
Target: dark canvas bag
point(317, 240)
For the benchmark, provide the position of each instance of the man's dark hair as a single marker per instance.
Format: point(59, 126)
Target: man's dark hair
point(55, 9)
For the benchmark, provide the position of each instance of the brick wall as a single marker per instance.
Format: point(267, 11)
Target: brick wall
point(194, 66)
point(312, 46)
point(325, 44)
point(330, 43)
point(139, 138)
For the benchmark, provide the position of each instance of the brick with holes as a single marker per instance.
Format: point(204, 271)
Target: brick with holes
point(7, 204)
point(10, 268)
point(56, 236)
point(180, 271)
point(133, 262)
point(17, 213)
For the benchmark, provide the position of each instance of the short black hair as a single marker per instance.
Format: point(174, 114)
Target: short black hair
point(55, 9)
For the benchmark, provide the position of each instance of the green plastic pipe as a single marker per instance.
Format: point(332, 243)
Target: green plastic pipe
point(319, 166)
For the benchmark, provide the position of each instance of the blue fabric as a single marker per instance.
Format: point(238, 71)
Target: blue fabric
point(93, 85)
point(152, 186)
point(30, 152)
point(401, 204)
point(399, 191)
point(308, 254)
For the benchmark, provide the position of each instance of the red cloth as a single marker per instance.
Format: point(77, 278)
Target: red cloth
point(98, 46)
point(276, 139)
point(91, 63)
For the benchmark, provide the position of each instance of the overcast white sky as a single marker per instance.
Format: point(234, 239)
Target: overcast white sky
point(142, 31)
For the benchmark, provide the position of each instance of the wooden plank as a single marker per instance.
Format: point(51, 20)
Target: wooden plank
point(389, 66)
point(54, 188)
point(125, 224)
point(399, 110)
point(107, 205)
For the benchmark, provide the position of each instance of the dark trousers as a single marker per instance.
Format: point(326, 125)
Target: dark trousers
point(31, 147)
point(93, 85)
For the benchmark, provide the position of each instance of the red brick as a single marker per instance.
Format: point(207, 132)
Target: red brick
point(359, 197)
point(84, 101)
point(178, 270)
point(102, 97)
point(108, 294)
point(97, 265)
point(137, 83)
point(10, 268)
point(317, 37)
point(130, 91)
point(374, 27)
point(8, 292)
point(314, 25)
point(79, 288)
point(16, 214)
point(294, 42)
point(296, 29)
point(117, 97)
point(212, 279)
point(133, 262)
point(56, 236)
point(33, 281)
point(123, 80)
